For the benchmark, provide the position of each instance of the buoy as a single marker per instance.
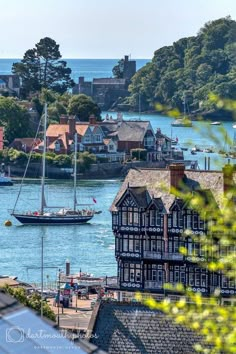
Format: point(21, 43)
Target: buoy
point(8, 223)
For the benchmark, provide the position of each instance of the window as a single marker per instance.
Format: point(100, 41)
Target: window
point(195, 221)
point(98, 138)
point(154, 275)
point(189, 221)
point(136, 219)
point(191, 279)
point(180, 219)
point(137, 245)
point(203, 280)
point(124, 218)
point(87, 138)
point(110, 147)
point(125, 244)
point(174, 219)
point(126, 274)
point(152, 217)
point(176, 245)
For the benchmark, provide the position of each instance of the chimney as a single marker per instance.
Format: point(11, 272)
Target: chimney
point(92, 119)
point(71, 122)
point(63, 119)
point(228, 177)
point(176, 174)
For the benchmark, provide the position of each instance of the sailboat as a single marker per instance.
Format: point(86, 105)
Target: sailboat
point(64, 216)
point(182, 122)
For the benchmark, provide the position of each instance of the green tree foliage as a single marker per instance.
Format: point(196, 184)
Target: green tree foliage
point(41, 68)
point(83, 106)
point(14, 119)
point(198, 65)
point(33, 301)
point(85, 160)
point(118, 70)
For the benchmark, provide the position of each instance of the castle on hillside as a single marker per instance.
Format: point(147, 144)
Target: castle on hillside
point(107, 92)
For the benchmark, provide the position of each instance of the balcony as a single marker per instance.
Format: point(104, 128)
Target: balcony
point(150, 284)
point(163, 255)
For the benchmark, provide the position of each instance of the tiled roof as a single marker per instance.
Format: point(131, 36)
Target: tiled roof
point(55, 130)
point(132, 328)
point(157, 182)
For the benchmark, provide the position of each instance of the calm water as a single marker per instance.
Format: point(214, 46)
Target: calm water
point(91, 246)
point(201, 134)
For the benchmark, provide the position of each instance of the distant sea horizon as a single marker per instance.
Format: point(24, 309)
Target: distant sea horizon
point(88, 68)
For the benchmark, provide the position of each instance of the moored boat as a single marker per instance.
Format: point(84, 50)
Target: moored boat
point(216, 123)
point(5, 181)
point(64, 216)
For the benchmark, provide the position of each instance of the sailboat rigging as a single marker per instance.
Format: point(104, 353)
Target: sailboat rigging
point(64, 216)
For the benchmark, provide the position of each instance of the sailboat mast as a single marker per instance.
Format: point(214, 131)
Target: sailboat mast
point(75, 171)
point(184, 102)
point(44, 159)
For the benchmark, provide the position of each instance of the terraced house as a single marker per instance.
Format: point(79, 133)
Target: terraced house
point(148, 222)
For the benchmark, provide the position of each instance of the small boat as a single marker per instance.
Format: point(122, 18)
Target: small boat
point(216, 123)
point(184, 148)
point(234, 126)
point(64, 216)
point(182, 122)
point(193, 151)
point(5, 181)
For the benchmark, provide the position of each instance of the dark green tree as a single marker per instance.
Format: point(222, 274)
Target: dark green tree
point(118, 70)
point(41, 68)
point(14, 119)
point(201, 65)
point(83, 106)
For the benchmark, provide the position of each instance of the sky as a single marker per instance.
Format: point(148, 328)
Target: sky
point(104, 28)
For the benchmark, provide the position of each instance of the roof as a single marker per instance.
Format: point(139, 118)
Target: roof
point(132, 130)
point(132, 328)
point(55, 130)
point(157, 181)
point(109, 81)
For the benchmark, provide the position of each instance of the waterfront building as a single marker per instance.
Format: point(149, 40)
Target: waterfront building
point(107, 91)
point(149, 221)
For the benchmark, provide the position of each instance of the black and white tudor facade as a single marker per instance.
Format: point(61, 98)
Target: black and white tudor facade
point(148, 223)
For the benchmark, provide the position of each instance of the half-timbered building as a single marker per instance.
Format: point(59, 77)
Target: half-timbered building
point(149, 222)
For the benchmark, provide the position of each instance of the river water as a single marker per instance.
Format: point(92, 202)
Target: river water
point(88, 247)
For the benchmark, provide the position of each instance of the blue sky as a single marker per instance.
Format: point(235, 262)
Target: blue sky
point(104, 28)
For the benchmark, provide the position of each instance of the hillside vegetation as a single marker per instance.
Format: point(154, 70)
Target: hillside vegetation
point(194, 67)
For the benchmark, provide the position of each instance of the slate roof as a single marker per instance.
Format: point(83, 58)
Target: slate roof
point(132, 130)
point(133, 328)
point(157, 182)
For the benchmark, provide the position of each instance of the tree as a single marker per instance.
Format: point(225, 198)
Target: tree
point(32, 301)
point(191, 64)
point(118, 70)
point(41, 68)
point(14, 119)
point(83, 106)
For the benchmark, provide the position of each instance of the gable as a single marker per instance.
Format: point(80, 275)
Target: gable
point(127, 200)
